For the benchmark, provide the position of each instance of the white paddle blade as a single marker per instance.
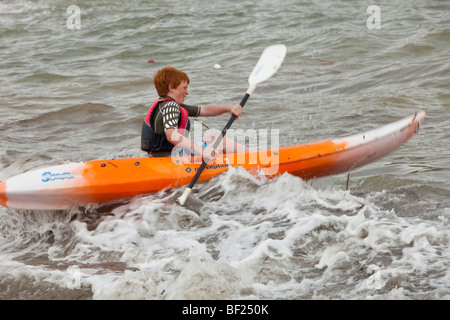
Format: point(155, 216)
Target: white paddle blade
point(184, 196)
point(269, 62)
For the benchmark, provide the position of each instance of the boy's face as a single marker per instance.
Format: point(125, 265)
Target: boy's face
point(179, 93)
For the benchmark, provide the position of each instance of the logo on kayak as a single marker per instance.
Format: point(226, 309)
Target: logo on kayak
point(48, 176)
point(214, 167)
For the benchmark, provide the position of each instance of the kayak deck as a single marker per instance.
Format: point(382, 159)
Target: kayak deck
point(98, 181)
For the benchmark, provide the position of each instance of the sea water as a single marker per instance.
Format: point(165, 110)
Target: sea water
point(77, 81)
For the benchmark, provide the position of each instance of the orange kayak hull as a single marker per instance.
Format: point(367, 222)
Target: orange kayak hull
point(99, 181)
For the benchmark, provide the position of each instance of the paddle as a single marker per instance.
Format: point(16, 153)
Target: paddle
point(267, 65)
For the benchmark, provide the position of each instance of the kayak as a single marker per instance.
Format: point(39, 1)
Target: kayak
point(99, 181)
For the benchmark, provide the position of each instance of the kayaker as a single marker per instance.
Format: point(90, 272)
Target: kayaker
point(167, 124)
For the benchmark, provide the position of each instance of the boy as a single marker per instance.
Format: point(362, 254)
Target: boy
point(167, 122)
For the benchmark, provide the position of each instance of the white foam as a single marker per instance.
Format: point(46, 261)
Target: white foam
point(253, 239)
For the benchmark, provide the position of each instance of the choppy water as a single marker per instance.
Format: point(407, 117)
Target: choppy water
point(76, 94)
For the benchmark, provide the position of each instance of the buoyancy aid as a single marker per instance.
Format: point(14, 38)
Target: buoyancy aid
point(153, 141)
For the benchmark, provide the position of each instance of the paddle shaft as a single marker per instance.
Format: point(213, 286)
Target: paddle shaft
point(217, 142)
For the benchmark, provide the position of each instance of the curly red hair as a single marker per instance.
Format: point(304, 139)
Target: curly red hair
point(166, 76)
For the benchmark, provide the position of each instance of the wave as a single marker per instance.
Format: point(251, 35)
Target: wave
point(242, 237)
